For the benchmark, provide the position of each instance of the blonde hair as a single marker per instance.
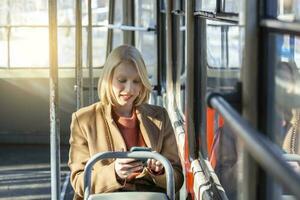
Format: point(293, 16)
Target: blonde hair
point(123, 53)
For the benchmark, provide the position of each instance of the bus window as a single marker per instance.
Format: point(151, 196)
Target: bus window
point(3, 48)
point(146, 17)
point(66, 46)
point(117, 38)
point(287, 100)
point(223, 49)
point(230, 6)
point(99, 46)
point(36, 55)
point(118, 11)
point(223, 73)
point(287, 80)
point(206, 5)
point(144, 42)
point(288, 10)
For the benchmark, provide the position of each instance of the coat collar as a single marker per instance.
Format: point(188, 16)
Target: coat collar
point(144, 117)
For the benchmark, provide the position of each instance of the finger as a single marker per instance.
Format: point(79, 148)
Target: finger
point(152, 162)
point(149, 163)
point(157, 163)
point(125, 174)
point(158, 168)
point(136, 169)
point(127, 166)
point(126, 160)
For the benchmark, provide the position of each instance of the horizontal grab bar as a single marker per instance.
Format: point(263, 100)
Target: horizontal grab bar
point(260, 148)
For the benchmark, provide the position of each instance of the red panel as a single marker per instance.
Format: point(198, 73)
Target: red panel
point(188, 171)
point(221, 121)
point(210, 130)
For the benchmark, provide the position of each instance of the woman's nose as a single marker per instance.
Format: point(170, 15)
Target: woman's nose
point(128, 87)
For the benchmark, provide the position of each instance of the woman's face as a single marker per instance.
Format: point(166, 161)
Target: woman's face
point(126, 84)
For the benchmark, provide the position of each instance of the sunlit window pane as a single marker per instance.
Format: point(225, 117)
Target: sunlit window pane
point(66, 47)
point(231, 6)
point(206, 5)
point(99, 46)
point(29, 47)
point(3, 12)
point(146, 43)
point(117, 38)
point(66, 13)
point(3, 48)
point(145, 13)
point(118, 12)
point(29, 12)
point(223, 47)
point(214, 46)
point(99, 12)
point(234, 47)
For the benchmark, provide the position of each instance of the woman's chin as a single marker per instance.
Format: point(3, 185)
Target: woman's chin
point(125, 103)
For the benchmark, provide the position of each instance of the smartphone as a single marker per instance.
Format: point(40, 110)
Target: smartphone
point(143, 160)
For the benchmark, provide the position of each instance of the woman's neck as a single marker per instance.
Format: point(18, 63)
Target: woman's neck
point(123, 111)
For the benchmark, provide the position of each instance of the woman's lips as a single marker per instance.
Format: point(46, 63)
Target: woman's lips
point(126, 97)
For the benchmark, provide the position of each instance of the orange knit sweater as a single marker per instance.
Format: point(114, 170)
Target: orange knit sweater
point(130, 130)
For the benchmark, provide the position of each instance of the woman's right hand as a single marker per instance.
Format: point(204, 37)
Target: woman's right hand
point(126, 168)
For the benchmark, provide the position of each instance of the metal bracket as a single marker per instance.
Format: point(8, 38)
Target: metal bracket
point(234, 98)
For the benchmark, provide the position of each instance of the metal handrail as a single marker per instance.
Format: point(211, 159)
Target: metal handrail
point(137, 155)
point(260, 148)
point(291, 157)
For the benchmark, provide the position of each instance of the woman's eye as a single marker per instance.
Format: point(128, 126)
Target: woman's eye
point(122, 80)
point(136, 81)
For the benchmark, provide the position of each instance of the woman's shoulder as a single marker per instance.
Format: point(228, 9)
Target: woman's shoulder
point(152, 109)
point(88, 111)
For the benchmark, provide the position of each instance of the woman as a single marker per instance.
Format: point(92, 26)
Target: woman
point(122, 119)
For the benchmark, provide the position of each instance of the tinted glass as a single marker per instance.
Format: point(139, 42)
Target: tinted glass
point(288, 10)
point(287, 97)
point(206, 5)
point(223, 72)
point(223, 46)
point(118, 11)
point(230, 6)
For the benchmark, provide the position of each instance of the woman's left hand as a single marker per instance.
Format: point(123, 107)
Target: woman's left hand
point(155, 166)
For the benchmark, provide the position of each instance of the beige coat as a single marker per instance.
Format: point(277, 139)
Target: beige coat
point(93, 130)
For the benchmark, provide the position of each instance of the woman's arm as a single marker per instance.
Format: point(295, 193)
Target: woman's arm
point(103, 176)
point(170, 151)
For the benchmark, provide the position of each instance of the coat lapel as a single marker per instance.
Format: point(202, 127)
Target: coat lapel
point(149, 129)
point(116, 137)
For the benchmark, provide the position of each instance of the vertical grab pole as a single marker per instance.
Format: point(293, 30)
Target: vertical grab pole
point(169, 55)
point(78, 55)
point(248, 21)
point(128, 19)
point(111, 15)
point(189, 61)
point(90, 53)
point(54, 112)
